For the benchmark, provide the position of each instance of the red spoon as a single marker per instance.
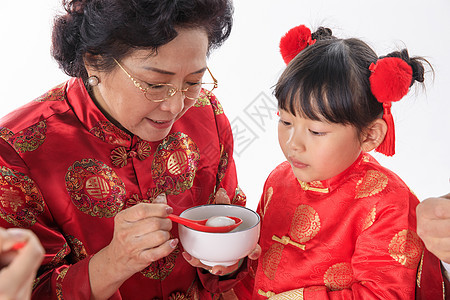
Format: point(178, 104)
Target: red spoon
point(200, 224)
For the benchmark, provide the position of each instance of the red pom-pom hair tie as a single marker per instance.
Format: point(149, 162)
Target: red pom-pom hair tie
point(390, 81)
point(294, 41)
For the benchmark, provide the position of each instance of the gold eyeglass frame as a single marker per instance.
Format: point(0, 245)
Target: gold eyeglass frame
point(172, 91)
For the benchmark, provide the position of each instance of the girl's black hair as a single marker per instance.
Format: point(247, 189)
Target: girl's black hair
point(109, 29)
point(329, 81)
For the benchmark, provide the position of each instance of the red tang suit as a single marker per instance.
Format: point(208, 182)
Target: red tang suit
point(350, 237)
point(66, 171)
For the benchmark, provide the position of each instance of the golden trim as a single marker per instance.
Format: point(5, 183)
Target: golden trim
point(306, 187)
point(286, 240)
point(266, 294)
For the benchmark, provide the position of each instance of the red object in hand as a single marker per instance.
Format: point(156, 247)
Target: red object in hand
point(18, 246)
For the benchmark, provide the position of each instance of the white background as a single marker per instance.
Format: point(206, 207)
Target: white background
point(248, 65)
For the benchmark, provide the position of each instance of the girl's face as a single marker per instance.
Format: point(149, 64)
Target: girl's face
point(317, 150)
point(181, 62)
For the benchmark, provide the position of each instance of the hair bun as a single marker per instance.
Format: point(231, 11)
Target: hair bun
point(294, 41)
point(322, 33)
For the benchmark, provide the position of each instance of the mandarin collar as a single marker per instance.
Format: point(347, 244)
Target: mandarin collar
point(328, 185)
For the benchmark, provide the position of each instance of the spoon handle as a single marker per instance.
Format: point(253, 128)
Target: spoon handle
point(183, 221)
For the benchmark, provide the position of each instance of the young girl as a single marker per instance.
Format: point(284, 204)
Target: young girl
point(336, 224)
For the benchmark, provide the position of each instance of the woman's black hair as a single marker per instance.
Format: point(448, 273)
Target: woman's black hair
point(107, 29)
point(329, 81)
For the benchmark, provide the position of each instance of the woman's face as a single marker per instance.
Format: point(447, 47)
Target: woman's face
point(180, 62)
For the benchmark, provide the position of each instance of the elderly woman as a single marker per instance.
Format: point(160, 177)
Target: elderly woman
point(95, 165)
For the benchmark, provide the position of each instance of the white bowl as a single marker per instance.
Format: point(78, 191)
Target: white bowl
point(223, 249)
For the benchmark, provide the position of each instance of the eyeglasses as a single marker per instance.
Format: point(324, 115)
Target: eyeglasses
point(162, 91)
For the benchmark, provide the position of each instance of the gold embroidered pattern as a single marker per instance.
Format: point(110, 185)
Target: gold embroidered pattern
point(78, 250)
point(287, 240)
point(203, 99)
point(266, 294)
point(108, 132)
point(5, 133)
point(419, 271)
point(267, 198)
point(314, 186)
point(31, 138)
point(95, 188)
point(271, 260)
point(21, 201)
point(289, 295)
point(373, 183)
point(175, 164)
point(239, 197)
point(59, 280)
point(339, 277)
point(162, 268)
point(55, 94)
point(305, 224)
point(370, 218)
point(406, 248)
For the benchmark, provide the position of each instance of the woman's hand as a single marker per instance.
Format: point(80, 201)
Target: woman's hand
point(433, 225)
point(221, 197)
point(21, 255)
point(141, 236)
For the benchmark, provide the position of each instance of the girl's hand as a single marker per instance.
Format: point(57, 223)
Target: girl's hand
point(141, 236)
point(21, 254)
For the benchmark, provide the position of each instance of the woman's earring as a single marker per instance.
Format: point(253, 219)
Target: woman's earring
point(93, 80)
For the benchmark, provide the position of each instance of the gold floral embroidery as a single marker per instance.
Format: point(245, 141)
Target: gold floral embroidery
point(31, 138)
point(370, 218)
point(406, 248)
point(271, 260)
point(162, 268)
point(59, 280)
point(109, 133)
point(95, 188)
point(55, 94)
point(314, 186)
point(78, 250)
point(5, 133)
point(21, 201)
point(338, 276)
point(373, 183)
point(305, 224)
point(203, 99)
point(175, 164)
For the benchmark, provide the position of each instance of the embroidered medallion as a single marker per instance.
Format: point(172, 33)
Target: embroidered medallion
point(21, 200)
point(55, 94)
point(30, 139)
point(370, 218)
point(339, 277)
point(305, 224)
point(373, 183)
point(175, 164)
point(406, 248)
point(108, 132)
point(162, 268)
point(95, 188)
point(271, 260)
